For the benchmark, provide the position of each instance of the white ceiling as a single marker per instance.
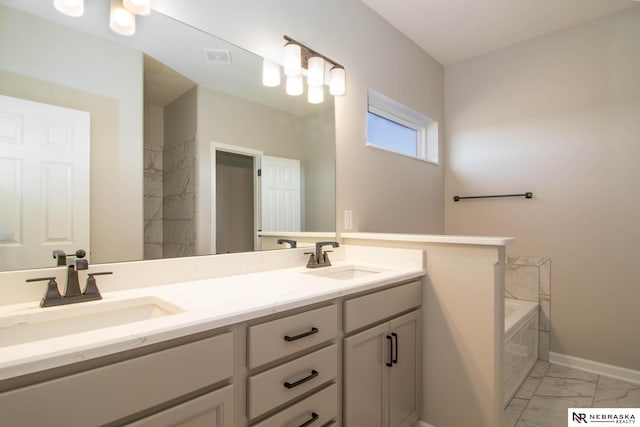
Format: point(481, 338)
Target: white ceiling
point(181, 48)
point(455, 30)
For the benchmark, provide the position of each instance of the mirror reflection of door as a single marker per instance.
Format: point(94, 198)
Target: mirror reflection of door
point(235, 202)
point(280, 194)
point(44, 182)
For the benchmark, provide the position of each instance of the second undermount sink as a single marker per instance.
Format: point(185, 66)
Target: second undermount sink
point(22, 328)
point(345, 272)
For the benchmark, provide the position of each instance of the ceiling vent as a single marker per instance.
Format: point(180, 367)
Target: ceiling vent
point(218, 56)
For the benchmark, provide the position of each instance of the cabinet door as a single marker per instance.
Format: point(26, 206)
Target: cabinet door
point(403, 376)
point(366, 378)
point(214, 409)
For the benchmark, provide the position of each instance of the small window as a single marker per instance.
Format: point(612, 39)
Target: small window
point(394, 127)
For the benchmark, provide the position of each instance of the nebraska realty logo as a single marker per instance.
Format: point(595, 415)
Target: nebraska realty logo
point(603, 416)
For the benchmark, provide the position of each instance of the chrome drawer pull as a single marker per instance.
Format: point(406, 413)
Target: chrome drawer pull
point(314, 374)
point(313, 330)
point(314, 418)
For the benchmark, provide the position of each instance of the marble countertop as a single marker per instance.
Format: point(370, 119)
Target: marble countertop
point(207, 304)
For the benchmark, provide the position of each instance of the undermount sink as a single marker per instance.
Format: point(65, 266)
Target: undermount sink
point(22, 328)
point(344, 272)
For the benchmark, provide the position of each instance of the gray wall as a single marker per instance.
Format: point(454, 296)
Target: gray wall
point(179, 186)
point(559, 116)
point(318, 164)
point(375, 56)
point(229, 120)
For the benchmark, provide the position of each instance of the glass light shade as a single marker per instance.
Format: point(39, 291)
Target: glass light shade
point(295, 85)
point(337, 81)
point(121, 20)
point(270, 73)
point(139, 7)
point(70, 7)
point(292, 59)
point(315, 94)
point(315, 67)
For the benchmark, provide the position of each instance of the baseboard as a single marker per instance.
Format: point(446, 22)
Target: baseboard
point(421, 423)
point(617, 372)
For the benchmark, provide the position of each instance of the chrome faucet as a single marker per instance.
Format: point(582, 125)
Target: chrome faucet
point(320, 258)
point(72, 292)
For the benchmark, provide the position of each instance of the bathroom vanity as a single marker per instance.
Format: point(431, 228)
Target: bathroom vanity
point(289, 346)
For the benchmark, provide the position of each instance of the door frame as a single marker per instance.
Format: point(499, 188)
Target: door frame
point(257, 164)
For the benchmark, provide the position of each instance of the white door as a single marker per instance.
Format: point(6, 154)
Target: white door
point(280, 194)
point(44, 182)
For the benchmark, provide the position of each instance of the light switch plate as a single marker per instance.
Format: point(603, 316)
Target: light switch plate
point(348, 220)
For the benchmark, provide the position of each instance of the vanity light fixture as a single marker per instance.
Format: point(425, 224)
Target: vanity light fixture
point(315, 75)
point(295, 85)
point(139, 7)
point(337, 80)
point(299, 60)
point(292, 59)
point(121, 20)
point(270, 73)
point(315, 94)
point(122, 13)
point(70, 7)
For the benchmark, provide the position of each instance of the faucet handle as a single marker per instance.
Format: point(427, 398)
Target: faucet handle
point(60, 256)
point(92, 288)
point(52, 294)
point(312, 259)
point(79, 254)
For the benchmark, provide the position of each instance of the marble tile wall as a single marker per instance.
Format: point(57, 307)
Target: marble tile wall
point(179, 205)
point(153, 195)
point(529, 278)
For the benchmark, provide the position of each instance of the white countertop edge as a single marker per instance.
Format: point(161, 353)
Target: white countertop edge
point(189, 324)
point(432, 238)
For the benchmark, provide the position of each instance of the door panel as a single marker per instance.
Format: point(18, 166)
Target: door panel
point(365, 378)
point(403, 376)
point(280, 194)
point(214, 409)
point(44, 182)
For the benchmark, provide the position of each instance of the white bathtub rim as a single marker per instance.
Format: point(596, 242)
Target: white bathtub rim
point(514, 322)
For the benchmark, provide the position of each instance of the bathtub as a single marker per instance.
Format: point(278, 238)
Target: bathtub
point(520, 343)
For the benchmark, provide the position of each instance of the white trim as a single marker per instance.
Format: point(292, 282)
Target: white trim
point(427, 141)
point(611, 371)
point(322, 234)
point(421, 423)
point(431, 238)
point(377, 147)
point(257, 164)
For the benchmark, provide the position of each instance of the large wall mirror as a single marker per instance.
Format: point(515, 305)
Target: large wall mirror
point(189, 153)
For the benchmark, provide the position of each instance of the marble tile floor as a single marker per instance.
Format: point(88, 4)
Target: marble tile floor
point(549, 390)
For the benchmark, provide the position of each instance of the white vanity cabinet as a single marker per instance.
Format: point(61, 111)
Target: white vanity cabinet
point(381, 358)
point(350, 361)
point(294, 369)
point(174, 383)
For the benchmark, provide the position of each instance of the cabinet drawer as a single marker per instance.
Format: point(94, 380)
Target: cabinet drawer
point(272, 340)
point(214, 409)
point(321, 407)
point(111, 392)
point(285, 382)
point(368, 309)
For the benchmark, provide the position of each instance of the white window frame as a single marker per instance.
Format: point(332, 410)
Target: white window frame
point(426, 128)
